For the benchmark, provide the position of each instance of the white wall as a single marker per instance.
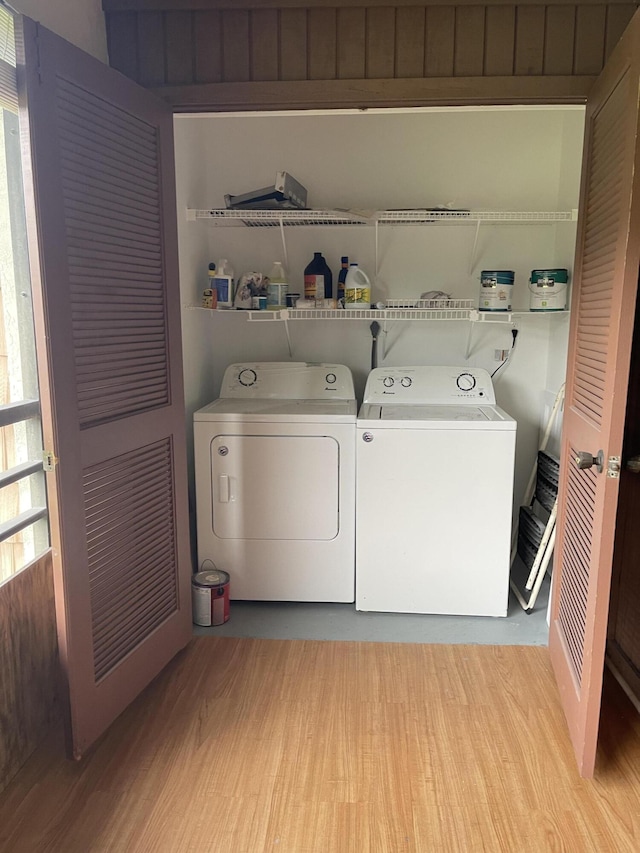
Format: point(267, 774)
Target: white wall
point(570, 169)
point(494, 159)
point(483, 159)
point(79, 21)
point(198, 342)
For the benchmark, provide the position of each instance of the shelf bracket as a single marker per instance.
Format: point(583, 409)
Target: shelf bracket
point(284, 250)
point(376, 251)
point(383, 348)
point(472, 327)
point(284, 315)
point(387, 344)
point(474, 250)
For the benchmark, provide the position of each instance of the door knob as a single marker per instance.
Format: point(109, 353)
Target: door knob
point(633, 465)
point(586, 460)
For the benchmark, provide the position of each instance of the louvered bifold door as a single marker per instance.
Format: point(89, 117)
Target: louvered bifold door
point(604, 295)
point(98, 157)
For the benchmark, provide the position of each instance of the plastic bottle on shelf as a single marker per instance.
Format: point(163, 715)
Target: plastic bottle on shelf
point(318, 279)
point(210, 294)
point(342, 276)
point(224, 283)
point(357, 288)
point(277, 288)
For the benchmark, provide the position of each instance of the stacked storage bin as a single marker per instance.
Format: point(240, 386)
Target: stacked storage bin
point(536, 528)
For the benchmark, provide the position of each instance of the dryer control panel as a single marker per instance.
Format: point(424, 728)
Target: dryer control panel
point(430, 385)
point(287, 380)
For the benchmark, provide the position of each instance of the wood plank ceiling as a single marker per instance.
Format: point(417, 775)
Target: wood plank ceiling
point(215, 54)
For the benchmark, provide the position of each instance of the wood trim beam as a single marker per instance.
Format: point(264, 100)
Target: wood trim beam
point(363, 94)
point(194, 5)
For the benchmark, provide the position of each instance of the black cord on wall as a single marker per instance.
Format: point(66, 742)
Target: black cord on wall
point(514, 333)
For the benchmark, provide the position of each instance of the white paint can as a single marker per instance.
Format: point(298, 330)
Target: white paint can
point(496, 289)
point(210, 597)
point(548, 290)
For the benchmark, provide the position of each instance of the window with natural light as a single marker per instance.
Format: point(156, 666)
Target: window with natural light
point(23, 516)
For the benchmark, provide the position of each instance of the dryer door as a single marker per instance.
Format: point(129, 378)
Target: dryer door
point(275, 487)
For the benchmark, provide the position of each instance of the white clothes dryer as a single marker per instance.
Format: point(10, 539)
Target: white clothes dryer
point(435, 466)
point(275, 481)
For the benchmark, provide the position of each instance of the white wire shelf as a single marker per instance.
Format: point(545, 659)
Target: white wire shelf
point(275, 218)
point(266, 218)
point(396, 309)
point(430, 304)
point(463, 309)
point(373, 314)
point(511, 316)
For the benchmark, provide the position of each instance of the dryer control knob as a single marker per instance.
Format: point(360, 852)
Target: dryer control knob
point(388, 381)
point(367, 436)
point(406, 381)
point(247, 377)
point(466, 382)
point(331, 378)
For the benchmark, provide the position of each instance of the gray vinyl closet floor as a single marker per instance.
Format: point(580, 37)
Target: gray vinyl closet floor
point(305, 621)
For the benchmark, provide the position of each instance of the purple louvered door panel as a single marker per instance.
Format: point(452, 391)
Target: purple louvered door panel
point(129, 512)
point(113, 219)
point(99, 157)
point(605, 285)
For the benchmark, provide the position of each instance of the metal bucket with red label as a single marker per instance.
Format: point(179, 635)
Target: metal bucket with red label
point(210, 597)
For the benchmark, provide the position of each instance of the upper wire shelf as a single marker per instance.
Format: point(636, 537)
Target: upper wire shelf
point(266, 218)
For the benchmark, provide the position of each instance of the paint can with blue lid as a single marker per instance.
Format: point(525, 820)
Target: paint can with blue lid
point(496, 289)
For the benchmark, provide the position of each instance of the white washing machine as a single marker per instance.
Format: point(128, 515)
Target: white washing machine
point(275, 481)
point(435, 465)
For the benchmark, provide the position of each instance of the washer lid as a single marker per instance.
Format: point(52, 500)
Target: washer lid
point(433, 413)
point(270, 411)
point(433, 416)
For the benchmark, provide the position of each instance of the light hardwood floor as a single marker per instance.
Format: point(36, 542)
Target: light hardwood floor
point(294, 746)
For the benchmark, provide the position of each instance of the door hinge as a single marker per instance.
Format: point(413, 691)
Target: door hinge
point(49, 461)
point(613, 467)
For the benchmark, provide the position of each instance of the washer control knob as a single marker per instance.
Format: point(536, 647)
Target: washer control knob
point(367, 436)
point(388, 381)
point(248, 377)
point(466, 382)
point(331, 378)
point(223, 451)
point(406, 381)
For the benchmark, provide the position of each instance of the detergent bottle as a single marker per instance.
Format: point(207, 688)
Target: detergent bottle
point(277, 287)
point(318, 279)
point(357, 288)
point(224, 283)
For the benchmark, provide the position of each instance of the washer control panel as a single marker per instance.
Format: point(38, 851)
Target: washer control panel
point(435, 385)
point(466, 381)
point(288, 380)
point(247, 377)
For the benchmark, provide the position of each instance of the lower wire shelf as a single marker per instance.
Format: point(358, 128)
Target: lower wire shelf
point(407, 314)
